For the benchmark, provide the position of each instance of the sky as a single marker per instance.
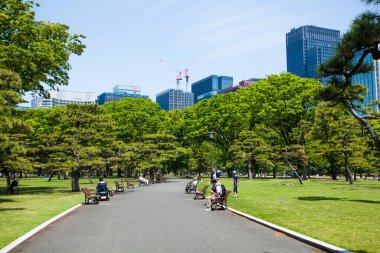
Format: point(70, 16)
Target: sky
point(126, 39)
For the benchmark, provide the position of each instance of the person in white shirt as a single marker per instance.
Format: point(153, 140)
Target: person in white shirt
point(143, 180)
point(216, 191)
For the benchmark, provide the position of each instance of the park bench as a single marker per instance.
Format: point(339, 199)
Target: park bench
point(220, 202)
point(119, 187)
point(190, 187)
point(129, 185)
point(90, 196)
point(150, 181)
point(163, 179)
point(202, 193)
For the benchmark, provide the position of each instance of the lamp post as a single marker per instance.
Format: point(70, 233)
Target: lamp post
point(211, 135)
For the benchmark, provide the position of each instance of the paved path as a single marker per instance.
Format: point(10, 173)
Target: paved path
point(157, 218)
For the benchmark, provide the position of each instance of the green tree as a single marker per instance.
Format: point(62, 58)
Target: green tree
point(340, 140)
point(360, 42)
point(38, 51)
point(249, 146)
point(12, 129)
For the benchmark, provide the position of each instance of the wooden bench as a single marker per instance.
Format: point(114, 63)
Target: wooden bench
point(202, 193)
point(129, 185)
point(90, 196)
point(220, 202)
point(190, 187)
point(119, 187)
point(163, 179)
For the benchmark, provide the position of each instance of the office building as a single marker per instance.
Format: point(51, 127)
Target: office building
point(59, 97)
point(307, 47)
point(116, 96)
point(120, 92)
point(209, 86)
point(173, 99)
point(370, 80)
point(242, 84)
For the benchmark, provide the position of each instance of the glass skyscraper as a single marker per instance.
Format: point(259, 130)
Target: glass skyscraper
point(307, 47)
point(370, 80)
point(209, 86)
point(173, 99)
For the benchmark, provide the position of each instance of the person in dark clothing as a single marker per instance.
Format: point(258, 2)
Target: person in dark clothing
point(101, 185)
point(236, 182)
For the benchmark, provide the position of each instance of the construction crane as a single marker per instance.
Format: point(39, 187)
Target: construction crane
point(176, 73)
point(187, 74)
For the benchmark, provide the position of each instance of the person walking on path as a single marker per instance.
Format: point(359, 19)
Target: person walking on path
point(215, 174)
point(236, 182)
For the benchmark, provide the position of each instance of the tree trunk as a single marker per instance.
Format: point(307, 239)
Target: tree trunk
point(298, 176)
point(275, 172)
point(354, 175)
point(75, 180)
point(118, 173)
point(39, 172)
point(348, 172)
point(304, 174)
point(65, 176)
point(249, 169)
point(59, 175)
point(8, 177)
point(364, 122)
point(90, 178)
point(51, 176)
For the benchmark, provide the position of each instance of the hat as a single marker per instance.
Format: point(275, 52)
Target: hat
point(234, 172)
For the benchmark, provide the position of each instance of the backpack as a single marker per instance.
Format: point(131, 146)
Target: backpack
point(223, 190)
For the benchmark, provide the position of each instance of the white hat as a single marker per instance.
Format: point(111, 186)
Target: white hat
point(234, 172)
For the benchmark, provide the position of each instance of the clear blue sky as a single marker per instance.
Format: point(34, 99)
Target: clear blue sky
point(242, 38)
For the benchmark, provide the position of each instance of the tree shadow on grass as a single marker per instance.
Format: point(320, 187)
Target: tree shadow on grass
point(318, 198)
point(41, 190)
point(11, 209)
point(6, 200)
point(365, 201)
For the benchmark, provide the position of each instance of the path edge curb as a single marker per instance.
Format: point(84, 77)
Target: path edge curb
point(300, 237)
point(36, 230)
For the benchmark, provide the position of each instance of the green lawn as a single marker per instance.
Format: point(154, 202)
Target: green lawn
point(38, 201)
point(331, 211)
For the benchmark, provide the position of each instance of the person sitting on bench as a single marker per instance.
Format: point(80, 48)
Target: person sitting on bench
point(216, 191)
point(143, 180)
point(101, 185)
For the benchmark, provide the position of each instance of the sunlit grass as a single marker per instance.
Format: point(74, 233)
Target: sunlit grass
point(331, 211)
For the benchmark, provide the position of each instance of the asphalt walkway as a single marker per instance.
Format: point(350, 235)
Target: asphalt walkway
point(157, 218)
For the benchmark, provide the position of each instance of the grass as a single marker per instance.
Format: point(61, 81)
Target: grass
point(38, 201)
point(335, 212)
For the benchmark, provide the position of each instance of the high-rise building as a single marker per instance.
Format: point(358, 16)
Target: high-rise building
point(370, 80)
point(210, 86)
point(60, 97)
point(120, 92)
point(307, 47)
point(173, 99)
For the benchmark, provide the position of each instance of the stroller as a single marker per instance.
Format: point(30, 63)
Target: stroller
point(103, 193)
